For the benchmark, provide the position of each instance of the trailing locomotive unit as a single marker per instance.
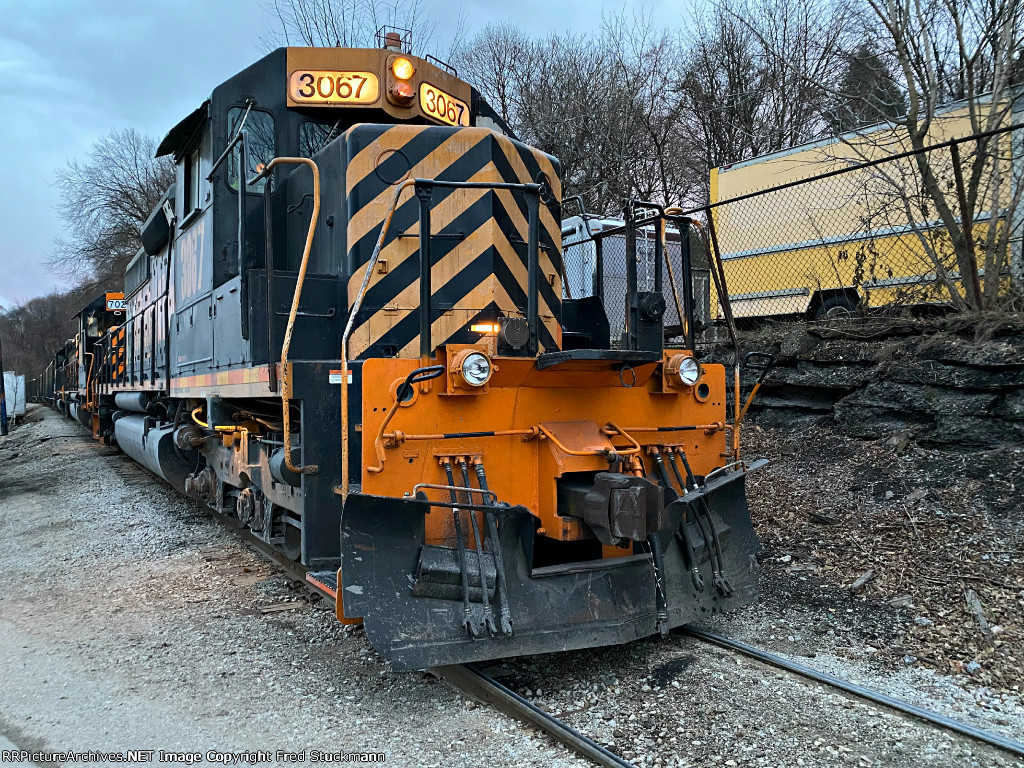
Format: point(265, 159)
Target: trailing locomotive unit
point(373, 369)
point(69, 382)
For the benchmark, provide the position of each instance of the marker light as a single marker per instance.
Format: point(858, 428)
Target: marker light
point(484, 328)
point(474, 368)
point(689, 371)
point(403, 68)
point(401, 93)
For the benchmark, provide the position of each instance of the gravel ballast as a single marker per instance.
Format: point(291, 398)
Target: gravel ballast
point(131, 619)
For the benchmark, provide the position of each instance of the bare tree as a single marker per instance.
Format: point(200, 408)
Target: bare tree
point(494, 61)
point(646, 59)
point(34, 330)
point(758, 75)
point(353, 23)
point(606, 105)
point(803, 45)
point(105, 200)
point(958, 61)
point(722, 91)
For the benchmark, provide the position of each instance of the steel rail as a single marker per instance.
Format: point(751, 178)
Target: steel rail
point(481, 686)
point(876, 697)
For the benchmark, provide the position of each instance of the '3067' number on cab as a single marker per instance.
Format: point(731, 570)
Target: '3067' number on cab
point(443, 106)
point(329, 87)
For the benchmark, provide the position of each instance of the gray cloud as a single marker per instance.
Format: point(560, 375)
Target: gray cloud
point(72, 70)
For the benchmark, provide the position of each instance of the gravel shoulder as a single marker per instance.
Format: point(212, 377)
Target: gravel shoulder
point(130, 619)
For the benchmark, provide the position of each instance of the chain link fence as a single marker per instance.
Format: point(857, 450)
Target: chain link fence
point(846, 233)
point(830, 230)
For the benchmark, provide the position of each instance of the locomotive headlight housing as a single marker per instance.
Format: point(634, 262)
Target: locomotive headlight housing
point(401, 93)
point(689, 371)
point(682, 371)
point(402, 68)
point(472, 368)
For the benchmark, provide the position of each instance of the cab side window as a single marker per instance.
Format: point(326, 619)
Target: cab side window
point(191, 182)
point(259, 145)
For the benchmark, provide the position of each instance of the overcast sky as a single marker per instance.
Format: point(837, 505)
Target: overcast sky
point(73, 70)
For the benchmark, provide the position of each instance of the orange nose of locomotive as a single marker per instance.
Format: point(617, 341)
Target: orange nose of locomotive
point(516, 505)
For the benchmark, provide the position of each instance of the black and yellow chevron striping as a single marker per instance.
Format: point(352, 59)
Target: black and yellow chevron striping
point(478, 246)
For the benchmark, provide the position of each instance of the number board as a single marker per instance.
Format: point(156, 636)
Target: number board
point(443, 106)
point(116, 302)
point(326, 87)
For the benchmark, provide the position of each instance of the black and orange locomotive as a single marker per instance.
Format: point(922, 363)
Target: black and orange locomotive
point(348, 330)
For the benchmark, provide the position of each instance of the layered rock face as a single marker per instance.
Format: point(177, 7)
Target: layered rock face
point(938, 383)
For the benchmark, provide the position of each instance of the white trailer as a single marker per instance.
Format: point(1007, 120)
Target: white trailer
point(14, 386)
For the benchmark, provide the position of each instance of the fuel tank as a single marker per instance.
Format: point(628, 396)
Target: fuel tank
point(152, 445)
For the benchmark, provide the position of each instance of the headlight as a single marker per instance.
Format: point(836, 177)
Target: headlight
point(401, 93)
point(403, 68)
point(689, 371)
point(475, 369)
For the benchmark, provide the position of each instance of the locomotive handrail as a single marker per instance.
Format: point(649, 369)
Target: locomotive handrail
point(684, 242)
point(764, 367)
point(671, 214)
point(466, 489)
point(89, 401)
point(353, 311)
point(718, 274)
point(286, 375)
point(424, 189)
point(661, 252)
point(241, 138)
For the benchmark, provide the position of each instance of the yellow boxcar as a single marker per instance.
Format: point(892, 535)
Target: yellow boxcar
point(827, 228)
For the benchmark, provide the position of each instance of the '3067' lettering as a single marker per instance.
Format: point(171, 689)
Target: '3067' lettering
point(190, 255)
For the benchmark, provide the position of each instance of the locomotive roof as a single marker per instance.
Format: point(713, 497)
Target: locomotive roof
point(180, 134)
point(266, 82)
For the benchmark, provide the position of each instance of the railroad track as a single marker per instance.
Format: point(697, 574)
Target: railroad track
point(1015, 748)
point(478, 685)
point(482, 687)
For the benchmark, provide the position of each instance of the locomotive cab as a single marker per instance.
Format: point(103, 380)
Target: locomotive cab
point(82, 361)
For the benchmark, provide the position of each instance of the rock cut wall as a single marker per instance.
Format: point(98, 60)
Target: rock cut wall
point(941, 387)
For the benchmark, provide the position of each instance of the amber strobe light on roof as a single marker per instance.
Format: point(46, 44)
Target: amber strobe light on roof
point(400, 92)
